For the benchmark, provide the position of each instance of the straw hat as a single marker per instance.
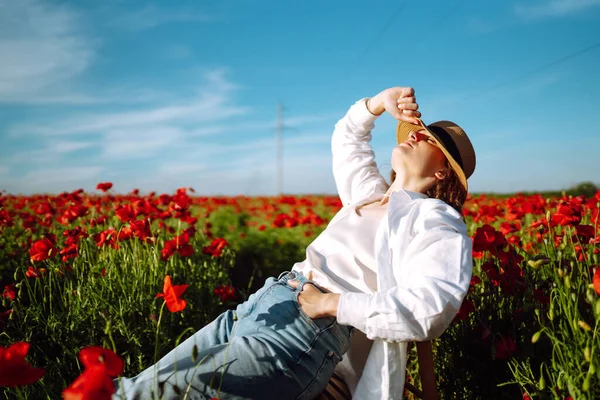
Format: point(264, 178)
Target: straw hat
point(452, 140)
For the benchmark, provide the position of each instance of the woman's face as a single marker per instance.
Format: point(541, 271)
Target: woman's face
point(418, 156)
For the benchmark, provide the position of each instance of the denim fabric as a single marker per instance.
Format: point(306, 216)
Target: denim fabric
point(268, 348)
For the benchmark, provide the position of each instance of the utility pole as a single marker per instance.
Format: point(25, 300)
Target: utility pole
point(279, 140)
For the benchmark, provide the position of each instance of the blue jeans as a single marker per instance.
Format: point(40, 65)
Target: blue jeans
point(268, 348)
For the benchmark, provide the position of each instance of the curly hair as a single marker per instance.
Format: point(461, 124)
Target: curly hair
point(450, 190)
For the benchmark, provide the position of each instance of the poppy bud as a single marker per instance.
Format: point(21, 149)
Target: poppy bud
point(535, 264)
point(542, 382)
point(559, 382)
point(584, 325)
point(567, 282)
point(586, 383)
point(536, 336)
point(560, 273)
point(589, 294)
point(597, 308)
point(587, 353)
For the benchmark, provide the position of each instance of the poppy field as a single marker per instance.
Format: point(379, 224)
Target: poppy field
point(99, 285)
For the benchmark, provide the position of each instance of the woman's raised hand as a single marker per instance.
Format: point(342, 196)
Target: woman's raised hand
point(400, 102)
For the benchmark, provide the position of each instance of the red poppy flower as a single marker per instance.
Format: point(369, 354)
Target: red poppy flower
point(171, 295)
point(125, 213)
point(71, 251)
point(9, 292)
point(141, 229)
point(466, 308)
point(93, 383)
point(216, 247)
point(42, 250)
point(179, 244)
point(487, 238)
point(98, 356)
point(567, 213)
point(597, 281)
point(584, 233)
point(225, 292)
point(107, 237)
point(14, 370)
point(104, 186)
point(72, 213)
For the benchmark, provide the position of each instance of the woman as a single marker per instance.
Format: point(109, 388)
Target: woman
point(392, 266)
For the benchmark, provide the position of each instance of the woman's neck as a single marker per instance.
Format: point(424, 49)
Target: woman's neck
point(403, 182)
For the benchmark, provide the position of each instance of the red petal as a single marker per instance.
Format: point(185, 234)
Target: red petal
point(176, 305)
point(18, 350)
point(179, 289)
point(93, 383)
point(167, 285)
point(597, 281)
point(19, 374)
point(106, 358)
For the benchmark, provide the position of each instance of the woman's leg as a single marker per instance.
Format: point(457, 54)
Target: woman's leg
point(273, 350)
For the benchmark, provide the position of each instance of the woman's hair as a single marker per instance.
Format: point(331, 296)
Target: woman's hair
point(450, 190)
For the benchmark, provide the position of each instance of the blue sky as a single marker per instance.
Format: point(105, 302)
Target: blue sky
point(163, 95)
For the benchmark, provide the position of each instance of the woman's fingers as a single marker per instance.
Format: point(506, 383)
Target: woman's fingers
point(407, 103)
point(410, 117)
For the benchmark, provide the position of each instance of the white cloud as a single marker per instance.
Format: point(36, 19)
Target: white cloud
point(213, 103)
point(42, 46)
point(140, 142)
point(252, 174)
point(151, 16)
point(50, 152)
point(65, 146)
point(553, 8)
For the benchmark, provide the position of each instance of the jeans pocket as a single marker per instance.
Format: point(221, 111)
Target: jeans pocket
point(321, 378)
point(309, 321)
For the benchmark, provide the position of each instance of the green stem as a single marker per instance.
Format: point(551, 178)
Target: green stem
point(158, 330)
point(19, 393)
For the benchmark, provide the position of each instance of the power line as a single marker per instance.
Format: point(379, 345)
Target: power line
point(532, 72)
point(376, 39)
point(387, 26)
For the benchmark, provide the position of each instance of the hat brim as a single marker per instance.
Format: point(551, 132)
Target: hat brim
point(404, 129)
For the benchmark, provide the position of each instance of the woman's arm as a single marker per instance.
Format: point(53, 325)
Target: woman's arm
point(354, 168)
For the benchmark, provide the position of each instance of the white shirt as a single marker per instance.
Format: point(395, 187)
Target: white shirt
point(421, 252)
point(343, 258)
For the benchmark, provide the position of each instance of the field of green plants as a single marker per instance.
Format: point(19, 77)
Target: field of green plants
point(94, 286)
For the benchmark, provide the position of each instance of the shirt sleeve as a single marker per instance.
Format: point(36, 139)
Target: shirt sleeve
point(438, 265)
point(354, 168)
